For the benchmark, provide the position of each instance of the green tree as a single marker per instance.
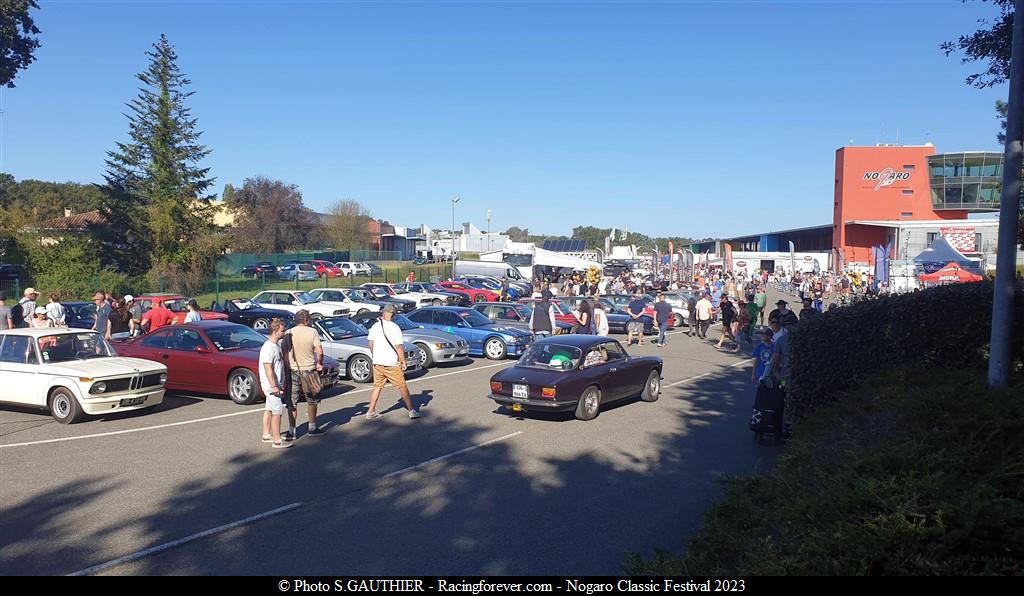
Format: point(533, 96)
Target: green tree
point(347, 226)
point(992, 46)
point(156, 197)
point(517, 234)
point(269, 217)
point(17, 41)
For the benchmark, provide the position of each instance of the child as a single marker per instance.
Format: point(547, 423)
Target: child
point(762, 357)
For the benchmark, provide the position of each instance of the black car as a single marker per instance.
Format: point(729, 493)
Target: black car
point(380, 295)
point(10, 272)
point(255, 270)
point(80, 315)
point(576, 373)
point(250, 314)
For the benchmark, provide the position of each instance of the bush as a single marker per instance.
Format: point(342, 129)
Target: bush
point(918, 473)
point(941, 326)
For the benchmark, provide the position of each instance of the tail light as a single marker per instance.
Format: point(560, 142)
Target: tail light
point(495, 386)
point(548, 392)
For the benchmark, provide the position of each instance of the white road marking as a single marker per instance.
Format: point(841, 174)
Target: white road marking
point(733, 365)
point(243, 413)
point(450, 455)
point(167, 545)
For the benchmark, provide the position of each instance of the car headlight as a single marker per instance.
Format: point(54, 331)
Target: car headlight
point(444, 345)
point(163, 378)
point(100, 387)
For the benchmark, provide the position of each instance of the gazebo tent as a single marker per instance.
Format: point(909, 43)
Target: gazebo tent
point(951, 273)
point(941, 252)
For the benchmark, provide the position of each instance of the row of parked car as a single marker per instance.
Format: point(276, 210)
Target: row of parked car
point(310, 270)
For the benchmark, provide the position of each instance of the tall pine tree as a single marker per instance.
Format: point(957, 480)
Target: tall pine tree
point(156, 199)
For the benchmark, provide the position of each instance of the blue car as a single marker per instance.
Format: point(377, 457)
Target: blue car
point(484, 336)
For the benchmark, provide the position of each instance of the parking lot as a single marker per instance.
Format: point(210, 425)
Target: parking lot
point(187, 488)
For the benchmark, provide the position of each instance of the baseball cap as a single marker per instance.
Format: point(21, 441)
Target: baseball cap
point(128, 297)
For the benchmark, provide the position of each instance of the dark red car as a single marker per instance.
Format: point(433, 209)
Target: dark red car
point(177, 304)
point(214, 357)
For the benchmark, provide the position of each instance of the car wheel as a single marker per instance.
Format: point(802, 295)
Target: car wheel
point(495, 349)
point(242, 386)
point(436, 302)
point(652, 390)
point(480, 298)
point(426, 360)
point(315, 316)
point(64, 406)
point(677, 320)
point(590, 404)
point(261, 324)
point(360, 369)
point(362, 311)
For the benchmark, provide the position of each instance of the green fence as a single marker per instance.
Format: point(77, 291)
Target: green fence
point(232, 264)
point(11, 289)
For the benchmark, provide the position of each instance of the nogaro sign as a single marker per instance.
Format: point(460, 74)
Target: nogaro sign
point(886, 177)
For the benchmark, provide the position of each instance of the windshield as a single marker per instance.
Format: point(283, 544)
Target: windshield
point(177, 305)
point(551, 357)
point(66, 347)
point(403, 323)
point(518, 260)
point(304, 298)
point(342, 328)
point(475, 318)
point(233, 337)
point(523, 311)
point(378, 292)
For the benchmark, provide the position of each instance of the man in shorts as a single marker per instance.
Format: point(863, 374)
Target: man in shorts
point(387, 349)
point(636, 325)
point(272, 382)
point(305, 358)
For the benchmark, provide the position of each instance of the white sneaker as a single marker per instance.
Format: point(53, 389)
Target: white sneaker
point(413, 414)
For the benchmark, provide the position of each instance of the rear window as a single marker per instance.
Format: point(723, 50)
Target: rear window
point(551, 357)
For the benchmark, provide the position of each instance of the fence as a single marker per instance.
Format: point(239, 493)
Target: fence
point(232, 264)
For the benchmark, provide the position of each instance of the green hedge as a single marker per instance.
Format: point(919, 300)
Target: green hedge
point(933, 328)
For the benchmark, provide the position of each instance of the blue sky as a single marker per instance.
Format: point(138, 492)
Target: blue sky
point(672, 118)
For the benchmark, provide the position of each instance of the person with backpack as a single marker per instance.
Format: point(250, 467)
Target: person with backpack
point(542, 317)
point(387, 350)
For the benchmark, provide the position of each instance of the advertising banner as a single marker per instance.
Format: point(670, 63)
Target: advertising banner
point(728, 257)
point(962, 239)
point(792, 257)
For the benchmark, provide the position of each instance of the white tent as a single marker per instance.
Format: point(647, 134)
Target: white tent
point(557, 259)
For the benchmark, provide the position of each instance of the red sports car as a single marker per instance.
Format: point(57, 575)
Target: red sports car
point(210, 357)
point(177, 304)
point(327, 269)
point(475, 294)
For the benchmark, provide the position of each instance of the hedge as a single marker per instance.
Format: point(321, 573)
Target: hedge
point(944, 326)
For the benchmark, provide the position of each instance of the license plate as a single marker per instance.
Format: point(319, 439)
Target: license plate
point(520, 391)
point(133, 401)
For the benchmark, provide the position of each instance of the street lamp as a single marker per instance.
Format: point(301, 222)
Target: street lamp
point(454, 201)
point(488, 230)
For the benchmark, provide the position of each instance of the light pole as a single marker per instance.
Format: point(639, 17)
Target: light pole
point(488, 230)
point(454, 201)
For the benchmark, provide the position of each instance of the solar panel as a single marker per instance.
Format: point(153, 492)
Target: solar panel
point(565, 245)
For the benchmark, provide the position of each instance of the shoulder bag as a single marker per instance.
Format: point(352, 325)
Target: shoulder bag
point(309, 380)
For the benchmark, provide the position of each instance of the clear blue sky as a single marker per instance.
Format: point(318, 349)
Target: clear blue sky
point(672, 118)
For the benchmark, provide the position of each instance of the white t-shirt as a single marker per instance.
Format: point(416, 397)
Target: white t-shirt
point(193, 317)
point(271, 353)
point(384, 335)
point(55, 312)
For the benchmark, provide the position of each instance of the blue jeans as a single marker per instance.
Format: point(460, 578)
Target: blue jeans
point(662, 328)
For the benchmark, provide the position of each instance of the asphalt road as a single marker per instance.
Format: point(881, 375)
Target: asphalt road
point(468, 489)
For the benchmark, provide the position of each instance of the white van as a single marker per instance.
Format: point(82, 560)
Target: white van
point(499, 270)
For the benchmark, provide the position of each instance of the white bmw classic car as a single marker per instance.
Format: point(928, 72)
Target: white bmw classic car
point(74, 373)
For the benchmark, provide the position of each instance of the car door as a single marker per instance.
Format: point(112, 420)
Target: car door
point(192, 370)
point(21, 376)
point(623, 370)
point(453, 323)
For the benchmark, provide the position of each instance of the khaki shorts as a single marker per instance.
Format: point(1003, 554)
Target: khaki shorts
point(385, 374)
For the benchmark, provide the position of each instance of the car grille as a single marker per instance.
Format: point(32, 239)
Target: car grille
point(132, 383)
point(463, 344)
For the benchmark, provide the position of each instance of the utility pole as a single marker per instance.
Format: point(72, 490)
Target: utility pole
point(1009, 211)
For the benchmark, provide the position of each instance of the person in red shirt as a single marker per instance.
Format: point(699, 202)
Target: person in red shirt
point(156, 317)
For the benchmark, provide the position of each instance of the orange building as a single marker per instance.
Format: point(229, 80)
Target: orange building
point(893, 184)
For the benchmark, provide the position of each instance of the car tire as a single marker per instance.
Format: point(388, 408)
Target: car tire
point(436, 302)
point(362, 311)
point(480, 298)
point(495, 349)
point(261, 323)
point(589, 404)
point(64, 406)
point(677, 320)
point(315, 316)
point(426, 360)
point(652, 389)
point(360, 369)
point(243, 389)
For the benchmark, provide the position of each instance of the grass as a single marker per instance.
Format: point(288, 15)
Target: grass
point(916, 473)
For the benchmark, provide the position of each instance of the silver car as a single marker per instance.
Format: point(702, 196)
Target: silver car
point(433, 345)
point(347, 343)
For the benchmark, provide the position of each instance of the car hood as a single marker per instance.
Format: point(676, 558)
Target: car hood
point(105, 367)
point(430, 335)
point(532, 376)
point(506, 329)
point(363, 341)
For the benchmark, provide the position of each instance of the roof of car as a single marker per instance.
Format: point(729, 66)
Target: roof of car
point(498, 304)
point(45, 331)
point(578, 341)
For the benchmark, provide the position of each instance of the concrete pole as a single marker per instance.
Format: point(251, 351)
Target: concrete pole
point(1009, 211)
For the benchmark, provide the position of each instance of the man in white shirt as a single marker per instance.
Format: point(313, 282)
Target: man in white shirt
point(387, 350)
point(704, 310)
point(271, 367)
point(55, 311)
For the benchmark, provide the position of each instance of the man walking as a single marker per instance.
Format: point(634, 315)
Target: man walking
point(691, 318)
point(103, 312)
point(662, 316)
point(636, 326)
point(272, 381)
point(786, 317)
point(387, 349)
point(306, 360)
point(761, 301)
point(542, 317)
point(704, 309)
point(728, 316)
point(808, 311)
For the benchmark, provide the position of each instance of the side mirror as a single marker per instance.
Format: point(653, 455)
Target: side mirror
point(202, 350)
